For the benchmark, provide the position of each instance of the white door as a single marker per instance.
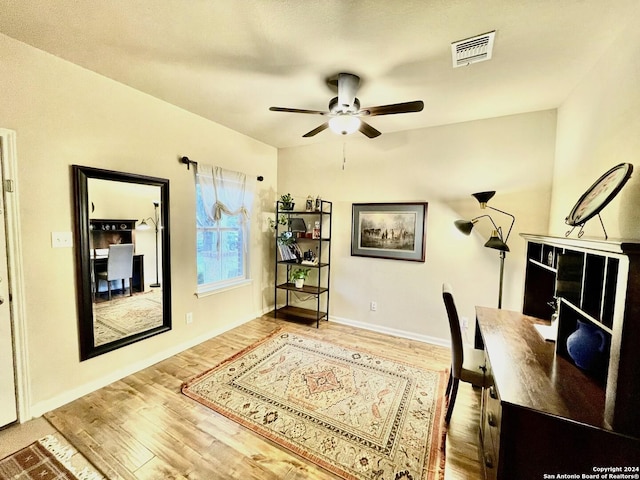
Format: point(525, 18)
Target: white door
point(8, 403)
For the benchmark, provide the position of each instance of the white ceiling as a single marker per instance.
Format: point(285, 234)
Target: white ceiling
point(230, 60)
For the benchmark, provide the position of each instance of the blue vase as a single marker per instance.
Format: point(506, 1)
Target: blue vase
point(586, 345)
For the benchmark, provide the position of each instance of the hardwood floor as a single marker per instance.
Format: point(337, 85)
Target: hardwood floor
point(142, 427)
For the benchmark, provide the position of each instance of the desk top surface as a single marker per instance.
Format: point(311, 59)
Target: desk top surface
point(528, 373)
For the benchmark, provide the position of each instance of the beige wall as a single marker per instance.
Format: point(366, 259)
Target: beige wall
point(442, 166)
point(598, 128)
point(65, 115)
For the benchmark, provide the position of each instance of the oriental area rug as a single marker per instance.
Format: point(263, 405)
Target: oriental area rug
point(50, 458)
point(125, 316)
point(356, 414)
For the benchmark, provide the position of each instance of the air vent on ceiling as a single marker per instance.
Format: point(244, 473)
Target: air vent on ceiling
point(472, 50)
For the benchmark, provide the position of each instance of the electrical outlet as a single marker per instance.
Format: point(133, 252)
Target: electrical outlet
point(373, 306)
point(188, 318)
point(465, 322)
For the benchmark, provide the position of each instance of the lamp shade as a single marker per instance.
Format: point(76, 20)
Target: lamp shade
point(464, 226)
point(496, 243)
point(483, 197)
point(344, 124)
point(143, 225)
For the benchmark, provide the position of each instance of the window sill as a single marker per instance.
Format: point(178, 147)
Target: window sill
point(206, 292)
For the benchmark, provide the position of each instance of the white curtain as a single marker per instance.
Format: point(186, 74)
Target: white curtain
point(222, 191)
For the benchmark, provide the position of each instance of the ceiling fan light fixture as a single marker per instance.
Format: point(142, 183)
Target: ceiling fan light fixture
point(344, 124)
point(345, 112)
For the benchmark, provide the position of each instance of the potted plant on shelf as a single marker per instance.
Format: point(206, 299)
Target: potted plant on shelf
point(298, 276)
point(282, 220)
point(286, 202)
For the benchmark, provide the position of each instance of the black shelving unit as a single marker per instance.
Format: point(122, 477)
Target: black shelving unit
point(291, 303)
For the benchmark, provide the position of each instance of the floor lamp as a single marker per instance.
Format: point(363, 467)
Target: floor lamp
point(145, 226)
point(497, 241)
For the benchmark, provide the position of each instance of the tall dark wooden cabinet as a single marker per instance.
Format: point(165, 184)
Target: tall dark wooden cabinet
point(314, 240)
point(548, 411)
point(596, 282)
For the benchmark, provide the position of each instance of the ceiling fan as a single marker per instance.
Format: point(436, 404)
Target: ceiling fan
point(345, 114)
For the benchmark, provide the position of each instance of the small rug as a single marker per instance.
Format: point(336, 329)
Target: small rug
point(122, 317)
point(47, 459)
point(356, 414)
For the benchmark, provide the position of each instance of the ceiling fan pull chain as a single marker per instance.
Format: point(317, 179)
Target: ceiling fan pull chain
point(344, 154)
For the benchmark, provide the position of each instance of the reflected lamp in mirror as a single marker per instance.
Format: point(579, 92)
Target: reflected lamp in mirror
point(145, 226)
point(497, 241)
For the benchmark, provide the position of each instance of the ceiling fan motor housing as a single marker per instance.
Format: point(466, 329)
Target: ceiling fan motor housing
point(335, 107)
point(348, 84)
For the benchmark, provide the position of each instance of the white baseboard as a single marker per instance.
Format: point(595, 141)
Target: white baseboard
point(393, 331)
point(40, 408)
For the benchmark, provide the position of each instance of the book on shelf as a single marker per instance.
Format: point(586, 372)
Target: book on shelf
point(296, 251)
point(284, 254)
point(289, 252)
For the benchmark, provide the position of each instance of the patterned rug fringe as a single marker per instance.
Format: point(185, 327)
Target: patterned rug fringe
point(63, 454)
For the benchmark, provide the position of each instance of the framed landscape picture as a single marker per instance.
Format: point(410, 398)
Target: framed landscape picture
point(389, 230)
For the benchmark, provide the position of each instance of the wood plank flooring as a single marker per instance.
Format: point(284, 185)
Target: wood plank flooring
point(142, 427)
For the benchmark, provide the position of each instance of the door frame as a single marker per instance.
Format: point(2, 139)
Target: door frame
point(10, 192)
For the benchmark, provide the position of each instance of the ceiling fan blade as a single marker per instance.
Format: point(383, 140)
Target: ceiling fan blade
point(406, 107)
point(368, 130)
point(297, 110)
point(317, 130)
point(347, 89)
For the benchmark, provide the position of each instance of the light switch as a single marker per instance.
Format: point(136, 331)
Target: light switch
point(61, 239)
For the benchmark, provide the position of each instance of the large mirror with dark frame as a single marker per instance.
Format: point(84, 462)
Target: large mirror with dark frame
point(122, 255)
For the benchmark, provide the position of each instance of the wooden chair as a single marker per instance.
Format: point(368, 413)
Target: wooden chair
point(467, 364)
point(119, 267)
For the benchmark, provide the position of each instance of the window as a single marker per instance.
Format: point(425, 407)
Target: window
point(222, 230)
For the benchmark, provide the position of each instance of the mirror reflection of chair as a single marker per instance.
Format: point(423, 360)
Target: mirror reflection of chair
point(467, 364)
point(119, 267)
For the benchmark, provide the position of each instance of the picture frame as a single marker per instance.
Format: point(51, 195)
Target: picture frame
point(395, 231)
